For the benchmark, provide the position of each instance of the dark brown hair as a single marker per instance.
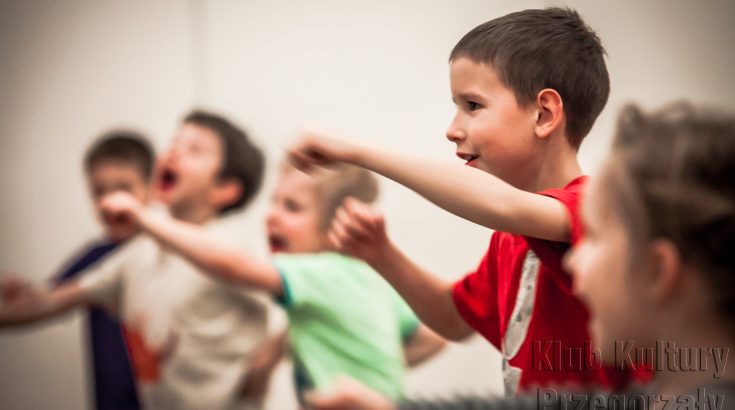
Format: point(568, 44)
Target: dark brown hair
point(122, 146)
point(671, 173)
point(551, 48)
point(242, 160)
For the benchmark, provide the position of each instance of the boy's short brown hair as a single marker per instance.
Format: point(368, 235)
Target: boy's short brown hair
point(242, 160)
point(551, 48)
point(122, 146)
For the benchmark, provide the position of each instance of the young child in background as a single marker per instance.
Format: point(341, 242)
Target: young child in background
point(656, 269)
point(343, 318)
point(118, 160)
point(527, 86)
point(190, 337)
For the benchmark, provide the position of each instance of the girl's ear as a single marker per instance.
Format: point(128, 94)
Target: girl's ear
point(549, 112)
point(666, 270)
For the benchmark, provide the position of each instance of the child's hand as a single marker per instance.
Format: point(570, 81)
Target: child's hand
point(14, 289)
point(316, 149)
point(359, 230)
point(19, 298)
point(261, 364)
point(121, 207)
point(348, 394)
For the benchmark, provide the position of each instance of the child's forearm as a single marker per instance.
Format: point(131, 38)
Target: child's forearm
point(469, 193)
point(215, 258)
point(42, 305)
point(422, 346)
point(430, 297)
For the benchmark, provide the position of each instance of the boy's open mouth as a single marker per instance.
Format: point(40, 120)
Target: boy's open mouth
point(468, 158)
point(168, 180)
point(277, 243)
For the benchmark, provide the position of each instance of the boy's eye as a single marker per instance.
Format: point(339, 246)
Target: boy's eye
point(472, 106)
point(292, 206)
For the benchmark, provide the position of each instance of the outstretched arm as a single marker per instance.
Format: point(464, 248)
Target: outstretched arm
point(214, 257)
point(360, 231)
point(464, 191)
point(24, 303)
point(422, 345)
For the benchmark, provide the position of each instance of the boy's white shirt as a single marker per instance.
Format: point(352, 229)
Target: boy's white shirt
point(204, 327)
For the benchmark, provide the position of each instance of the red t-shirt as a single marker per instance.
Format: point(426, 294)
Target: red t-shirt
point(541, 330)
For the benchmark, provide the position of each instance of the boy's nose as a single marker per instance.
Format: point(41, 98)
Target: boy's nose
point(455, 135)
point(271, 217)
point(175, 150)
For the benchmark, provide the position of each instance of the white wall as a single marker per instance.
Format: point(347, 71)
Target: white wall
point(660, 51)
point(374, 70)
point(69, 70)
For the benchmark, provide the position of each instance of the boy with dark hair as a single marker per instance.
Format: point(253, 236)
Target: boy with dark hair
point(118, 160)
point(190, 337)
point(528, 87)
point(241, 161)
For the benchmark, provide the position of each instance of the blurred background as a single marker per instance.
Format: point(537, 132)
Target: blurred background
point(373, 70)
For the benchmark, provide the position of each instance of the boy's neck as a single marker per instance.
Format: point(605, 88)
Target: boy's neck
point(557, 167)
point(194, 214)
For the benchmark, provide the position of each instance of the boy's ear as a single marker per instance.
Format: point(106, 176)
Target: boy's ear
point(666, 270)
point(549, 112)
point(225, 192)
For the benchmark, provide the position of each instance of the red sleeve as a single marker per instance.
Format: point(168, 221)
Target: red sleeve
point(476, 299)
point(550, 252)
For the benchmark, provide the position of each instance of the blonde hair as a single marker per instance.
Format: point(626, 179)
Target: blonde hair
point(334, 184)
point(671, 176)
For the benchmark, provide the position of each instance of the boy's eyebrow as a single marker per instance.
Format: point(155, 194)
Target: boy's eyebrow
point(469, 96)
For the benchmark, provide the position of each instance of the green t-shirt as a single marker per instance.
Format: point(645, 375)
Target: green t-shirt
point(344, 319)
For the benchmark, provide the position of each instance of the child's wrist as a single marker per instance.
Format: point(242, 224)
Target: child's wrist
point(384, 257)
point(143, 216)
point(355, 154)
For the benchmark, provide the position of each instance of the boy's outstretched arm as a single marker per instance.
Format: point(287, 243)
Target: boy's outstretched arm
point(422, 345)
point(24, 303)
point(214, 257)
point(464, 191)
point(359, 231)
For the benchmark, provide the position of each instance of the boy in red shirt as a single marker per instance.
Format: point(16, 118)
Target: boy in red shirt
point(528, 87)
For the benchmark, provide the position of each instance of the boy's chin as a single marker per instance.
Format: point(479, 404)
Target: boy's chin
point(166, 197)
point(478, 164)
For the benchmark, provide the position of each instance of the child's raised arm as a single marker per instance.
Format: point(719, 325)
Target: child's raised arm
point(214, 257)
point(24, 303)
point(464, 191)
point(359, 231)
point(422, 345)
